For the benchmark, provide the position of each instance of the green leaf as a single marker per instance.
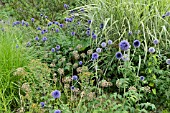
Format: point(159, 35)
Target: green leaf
point(154, 91)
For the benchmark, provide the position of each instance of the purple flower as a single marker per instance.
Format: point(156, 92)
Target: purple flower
point(61, 25)
point(142, 78)
point(74, 77)
point(28, 44)
point(57, 111)
point(80, 63)
point(72, 87)
point(82, 9)
point(136, 43)
point(98, 50)
point(67, 19)
point(41, 15)
point(32, 19)
point(26, 24)
point(42, 32)
point(45, 30)
point(156, 41)
point(57, 23)
point(89, 21)
point(151, 49)
point(168, 61)
point(46, 16)
point(101, 26)
point(57, 47)
point(130, 33)
point(56, 94)
point(17, 46)
point(53, 50)
point(38, 28)
point(57, 30)
point(118, 55)
point(22, 22)
point(94, 36)
point(95, 56)
point(72, 33)
point(109, 42)
point(124, 45)
point(50, 23)
point(52, 29)
point(88, 32)
point(37, 38)
point(44, 39)
point(42, 104)
point(103, 44)
point(66, 6)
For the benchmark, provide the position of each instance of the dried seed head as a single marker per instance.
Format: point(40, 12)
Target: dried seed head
point(20, 71)
point(79, 46)
point(66, 86)
point(79, 69)
point(76, 56)
point(90, 96)
point(52, 64)
point(75, 65)
point(26, 87)
point(83, 55)
point(89, 52)
point(61, 71)
point(75, 52)
point(147, 89)
point(132, 88)
point(66, 80)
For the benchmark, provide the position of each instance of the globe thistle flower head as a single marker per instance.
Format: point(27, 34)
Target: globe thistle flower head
point(89, 21)
point(17, 22)
point(88, 32)
point(166, 14)
point(57, 111)
point(95, 56)
point(74, 77)
point(22, 22)
point(73, 33)
point(45, 30)
point(71, 19)
point(72, 87)
point(57, 47)
point(98, 50)
point(38, 28)
point(118, 55)
point(28, 44)
point(136, 43)
point(32, 19)
point(124, 45)
point(67, 19)
point(56, 23)
point(56, 94)
point(46, 16)
point(26, 24)
point(41, 15)
point(103, 44)
point(42, 32)
point(151, 49)
point(130, 33)
point(66, 6)
point(142, 78)
point(94, 36)
point(168, 61)
point(156, 41)
point(61, 25)
point(52, 29)
point(82, 9)
point(44, 39)
point(101, 26)
point(109, 42)
point(53, 50)
point(42, 104)
point(17, 46)
point(80, 63)
point(57, 30)
point(49, 24)
point(37, 38)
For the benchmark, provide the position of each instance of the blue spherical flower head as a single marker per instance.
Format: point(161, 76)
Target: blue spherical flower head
point(46, 16)
point(124, 45)
point(56, 94)
point(136, 43)
point(44, 39)
point(41, 15)
point(82, 9)
point(32, 19)
point(71, 19)
point(142, 78)
point(89, 21)
point(38, 28)
point(109, 42)
point(42, 104)
point(168, 61)
point(101, 26)
point(74, 77)
point(88, 32)
point(17, 46)
point(66, 6)
point(57, 23)
point(61, 25)
point(37, 38)
point(22, 22)
point(118, 55)
point(57, 47)
point(57, 111)
point(151, 49)
point(53, 50)
point(42, 32)
point(95, 56)
point(94, 36)
point(26, 24)
point(80, 63)
point(67, 19)
point(156, 41)
point(103, 44)
point(49, 24)
point(57, 30)
point(72, 87)
point(98, 50)
point(73, 33)
point(28, 44)
point(130, 33)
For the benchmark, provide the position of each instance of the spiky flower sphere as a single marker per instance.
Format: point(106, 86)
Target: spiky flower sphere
point(94, 36)
point(136, 43)
point(57, 111)
point(56, 94)
point(95, 56)
point(142, 78)
point(42, 104)
point(118, 55)
point(124, 45)
point(109, 42)
point(103, 44)
point(156, 41)
point(151, 49)
point(98, 50)
point(74, 77)
point(168, 61)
